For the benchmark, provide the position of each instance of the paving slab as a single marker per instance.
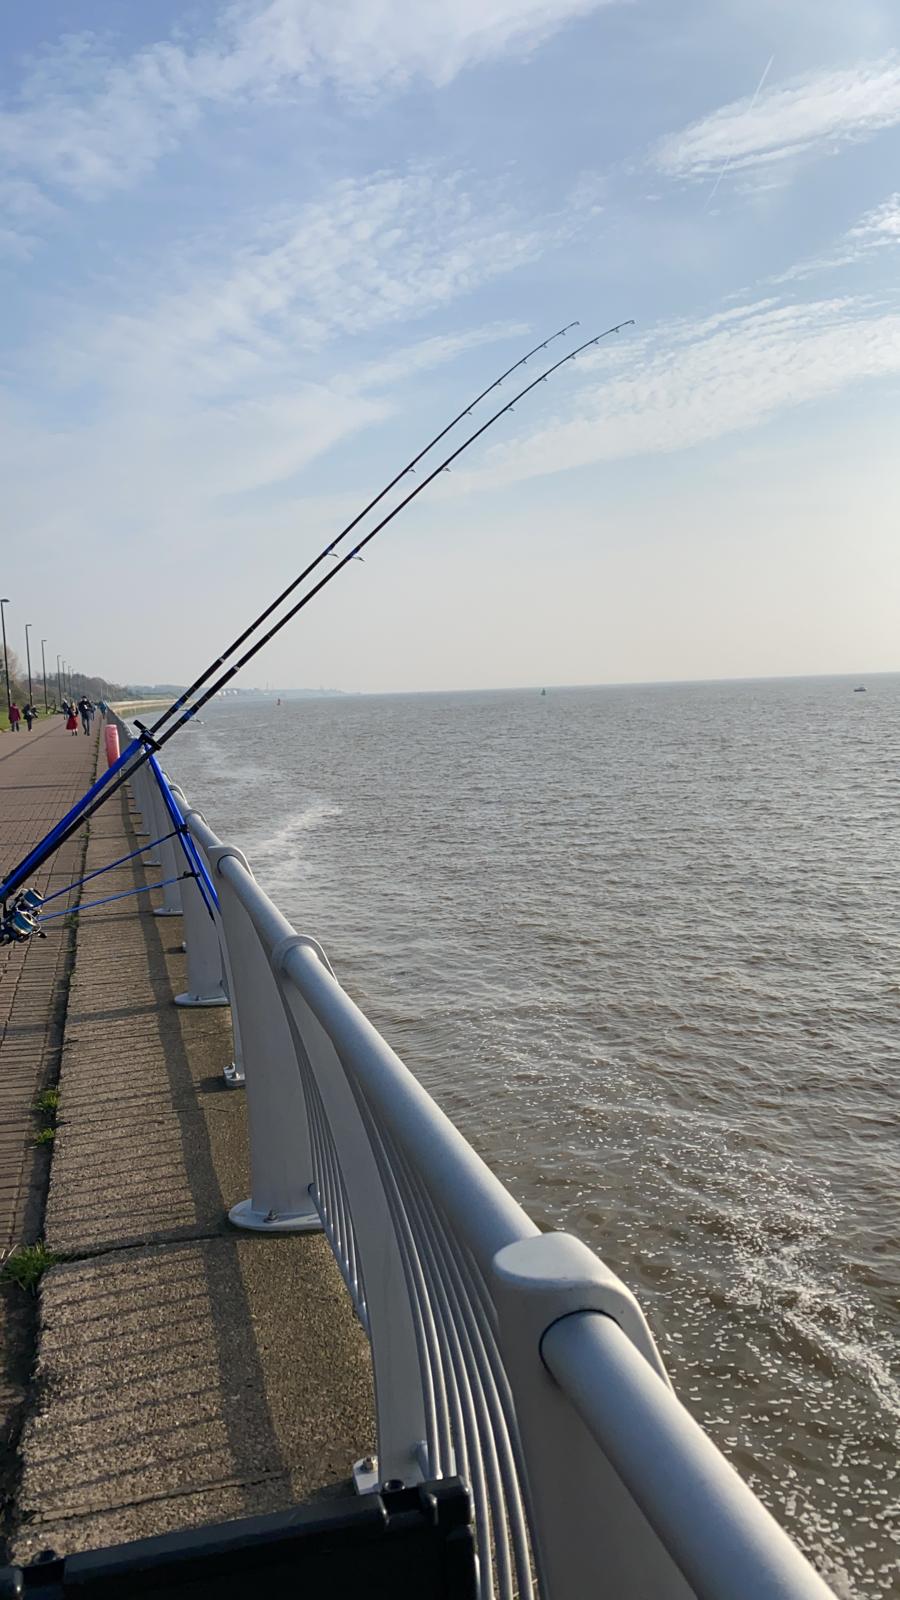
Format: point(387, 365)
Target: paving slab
point(188, 1383)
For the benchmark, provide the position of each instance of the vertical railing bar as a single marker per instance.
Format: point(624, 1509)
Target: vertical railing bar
point(334, 1186)
point(314, 1112)
point(438, 1442)
point(471, 1432)
point(331, 1200)
point(487, 1439)
point(319, 1137)
point(495, 1387)
point(343, 1213)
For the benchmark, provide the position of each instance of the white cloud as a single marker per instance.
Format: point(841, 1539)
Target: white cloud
point(880, 225)
point(408, 360)
point(816, 112)
point(374, 252)
point(878, 230)
point(23, 209)
point(220, 378)
point(685, 385)
point(91, 123)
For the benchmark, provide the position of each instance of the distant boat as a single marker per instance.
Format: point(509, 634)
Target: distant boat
point(278, 701)
point(543, 691)
point(861, 689)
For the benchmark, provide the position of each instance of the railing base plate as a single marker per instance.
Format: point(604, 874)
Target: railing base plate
point(244, 1216)
point(201, 1000)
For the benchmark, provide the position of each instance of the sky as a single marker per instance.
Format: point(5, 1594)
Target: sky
point(254, 256)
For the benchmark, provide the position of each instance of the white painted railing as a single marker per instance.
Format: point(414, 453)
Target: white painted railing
point(513, 1358)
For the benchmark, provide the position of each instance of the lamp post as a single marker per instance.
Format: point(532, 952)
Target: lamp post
point(44, 670)
point(59, 679)
point(5, 653)
point(28, 659)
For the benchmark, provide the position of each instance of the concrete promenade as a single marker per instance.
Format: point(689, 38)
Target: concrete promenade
point(185, 1372)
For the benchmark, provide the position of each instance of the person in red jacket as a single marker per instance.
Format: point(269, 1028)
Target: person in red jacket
point(72, 722)
point(14, 717)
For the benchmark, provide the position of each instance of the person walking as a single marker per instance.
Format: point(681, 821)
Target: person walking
point(86, 708)
point(15, 717)
point(29, 714)
point(72, 721)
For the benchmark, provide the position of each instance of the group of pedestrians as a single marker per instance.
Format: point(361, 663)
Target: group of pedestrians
point(84, 709)
point(72, 710)
point(27, 714)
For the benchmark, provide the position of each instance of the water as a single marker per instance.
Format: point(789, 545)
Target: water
point(643, 945)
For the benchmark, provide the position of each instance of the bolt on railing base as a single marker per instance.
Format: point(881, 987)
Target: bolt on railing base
point(201, 999)
point(234, 1075)
point(166, 911)
point(365, 1475)
point(243, 1215)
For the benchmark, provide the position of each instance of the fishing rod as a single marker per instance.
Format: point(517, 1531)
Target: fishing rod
point(148, 743)
point(329, 548)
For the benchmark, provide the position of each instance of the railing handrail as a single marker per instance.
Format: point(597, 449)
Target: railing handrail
point(722, 1537)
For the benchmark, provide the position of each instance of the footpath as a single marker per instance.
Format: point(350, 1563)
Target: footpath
point(42, 774)
point(185, 1372)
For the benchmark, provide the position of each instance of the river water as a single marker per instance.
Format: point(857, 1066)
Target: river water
point(643, 945)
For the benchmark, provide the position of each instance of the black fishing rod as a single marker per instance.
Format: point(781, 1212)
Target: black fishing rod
point(329, 548)
point(150, 743)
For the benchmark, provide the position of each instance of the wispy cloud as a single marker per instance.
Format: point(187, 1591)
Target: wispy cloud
point(376, 251)
point(88, 121)
point(880, 226)
point(878, 230)
point(686, 384)
point(809, 114)
point(426, 354)
point(219, 379)
point(24, 211)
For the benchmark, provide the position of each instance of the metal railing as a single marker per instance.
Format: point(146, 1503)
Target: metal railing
point(512, 1358)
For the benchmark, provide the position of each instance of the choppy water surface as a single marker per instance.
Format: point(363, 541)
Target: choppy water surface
point(643, 945)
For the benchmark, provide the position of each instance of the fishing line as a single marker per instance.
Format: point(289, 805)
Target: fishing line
point(142, 888)
point(120, 862)
point(148, 744)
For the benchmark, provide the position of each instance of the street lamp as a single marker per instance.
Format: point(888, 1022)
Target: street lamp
point(44, 669)
point(5, 654)
point(59, 678)
point(28, 659)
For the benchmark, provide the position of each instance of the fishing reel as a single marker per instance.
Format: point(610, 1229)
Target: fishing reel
point(18, 922)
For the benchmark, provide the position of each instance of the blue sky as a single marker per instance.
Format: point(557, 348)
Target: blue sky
point(254, 255)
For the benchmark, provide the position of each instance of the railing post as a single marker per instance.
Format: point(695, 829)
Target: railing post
point(399, 1402)
point(201, 939)
point(139, 788)
point(281, 1167)
point(205, 839)
point(584, 1522)
point(171, 859)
